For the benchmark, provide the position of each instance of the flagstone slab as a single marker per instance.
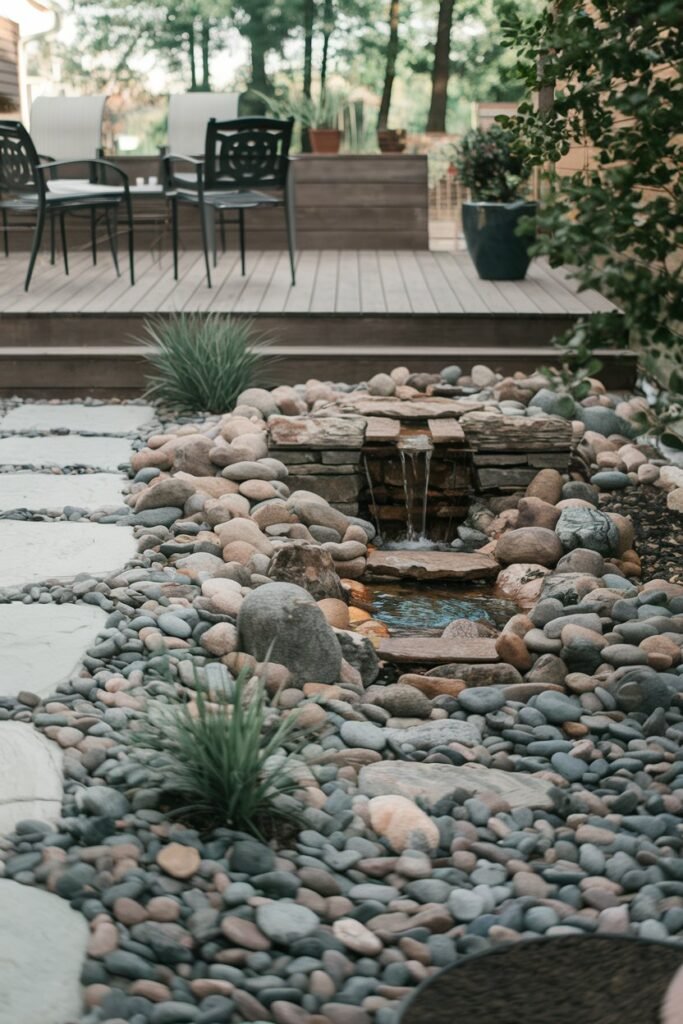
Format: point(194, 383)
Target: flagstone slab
point(432, 782)
point(55, 490)
point(30, 552)
point(41, 645)
point(63, 450)
point(30, 776)
point(42, 950)
point(430, 650)
point(414, 564)
point(95, 419)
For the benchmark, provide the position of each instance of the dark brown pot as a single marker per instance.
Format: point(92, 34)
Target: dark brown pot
point(392, 140)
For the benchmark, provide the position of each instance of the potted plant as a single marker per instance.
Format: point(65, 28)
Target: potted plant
point(322, 121)
point(493, 171)
point(320, 117)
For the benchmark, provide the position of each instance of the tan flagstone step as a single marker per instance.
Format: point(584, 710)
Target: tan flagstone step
point(431, 565)
point(428, 650)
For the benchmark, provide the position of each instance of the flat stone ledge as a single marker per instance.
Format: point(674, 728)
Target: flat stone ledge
point(55, 490)
point(430, 565)
point(42, 949)
point(95, 419)
point(30, 776)
point(107, 453)
point(42, 644)
point(432, 782)
point(429, 650)
point(31, 552)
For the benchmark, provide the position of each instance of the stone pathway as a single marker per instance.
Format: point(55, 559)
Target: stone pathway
point(41, 645)
point(35, 491)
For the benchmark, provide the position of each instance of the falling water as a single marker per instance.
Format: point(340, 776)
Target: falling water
point(428, 462)
point(410, 532)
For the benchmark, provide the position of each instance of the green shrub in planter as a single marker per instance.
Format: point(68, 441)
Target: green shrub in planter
point(494, 172)
point(202, 362)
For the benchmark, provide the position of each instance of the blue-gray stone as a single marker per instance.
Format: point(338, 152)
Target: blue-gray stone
point(610, 480)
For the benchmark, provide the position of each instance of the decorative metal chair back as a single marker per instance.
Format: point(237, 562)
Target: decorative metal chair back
point(249, 152)
point(68, 127)
point(18, 162)
point(188, 114)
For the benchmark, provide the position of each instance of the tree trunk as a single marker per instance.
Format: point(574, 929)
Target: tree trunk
point(259, 81)
point(193, 66)
point(309, 17)
point(328, 26)
point(206, 73)
point(436, 122)
point(390, 69)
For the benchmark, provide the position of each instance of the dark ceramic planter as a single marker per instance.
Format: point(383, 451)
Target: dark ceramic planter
point(496, 251)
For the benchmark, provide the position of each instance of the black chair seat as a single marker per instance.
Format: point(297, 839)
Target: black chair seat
point(572, 979)
point(232, 200)
point(25, 204)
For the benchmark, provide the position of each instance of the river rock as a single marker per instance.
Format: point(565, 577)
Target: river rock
point(309, 566)
point(402, 824)
point(282, 622)
point(588, 528)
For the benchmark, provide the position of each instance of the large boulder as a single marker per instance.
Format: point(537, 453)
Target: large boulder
point(588, 528)
point(283, 622)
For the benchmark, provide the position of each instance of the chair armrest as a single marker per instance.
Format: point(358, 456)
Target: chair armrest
point(169, 159)
point(93, 166)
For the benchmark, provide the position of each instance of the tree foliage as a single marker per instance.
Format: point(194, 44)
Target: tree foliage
point(614, 68)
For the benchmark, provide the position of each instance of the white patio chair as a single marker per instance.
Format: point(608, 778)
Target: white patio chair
point(69, 128)
point(190, 112)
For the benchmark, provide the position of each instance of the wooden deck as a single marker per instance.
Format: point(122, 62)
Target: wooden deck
point(351, 313)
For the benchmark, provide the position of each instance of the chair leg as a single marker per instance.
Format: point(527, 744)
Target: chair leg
point(52, 238)
point(213, 233)
point(174, 236)
point(204, 216)
point(93, 235)
point(241, 227)
point(290, 240)
point(5, 231)
point(131, 242)
point(62, 235)
point(110, 215)
point(222, 223)
point(37, 239)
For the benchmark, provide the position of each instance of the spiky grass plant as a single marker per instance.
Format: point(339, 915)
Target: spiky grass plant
point(226, 757)
point(202, 362)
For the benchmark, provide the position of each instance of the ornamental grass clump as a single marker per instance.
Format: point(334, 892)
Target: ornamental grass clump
point(227, 757)
point(202, 362)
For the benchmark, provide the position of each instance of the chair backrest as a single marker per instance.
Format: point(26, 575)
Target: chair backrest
point(68, 127)
point(18, 160)
point(189, 114)
point(249, 152)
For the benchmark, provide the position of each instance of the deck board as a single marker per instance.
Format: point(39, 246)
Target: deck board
point(332, 282)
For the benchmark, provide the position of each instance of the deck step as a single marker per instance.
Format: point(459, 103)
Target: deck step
point(64, 371)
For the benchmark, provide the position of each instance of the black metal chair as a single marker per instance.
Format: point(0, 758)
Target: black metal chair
point(242, 156)
point(23, 189)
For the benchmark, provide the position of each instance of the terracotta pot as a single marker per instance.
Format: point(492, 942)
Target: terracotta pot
point(324, 140)
point(392, 140)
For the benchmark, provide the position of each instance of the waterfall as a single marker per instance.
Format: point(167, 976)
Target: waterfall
point(373, 503)
point(415, 446)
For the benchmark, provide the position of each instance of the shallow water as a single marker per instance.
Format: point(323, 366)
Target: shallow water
point(428, 608)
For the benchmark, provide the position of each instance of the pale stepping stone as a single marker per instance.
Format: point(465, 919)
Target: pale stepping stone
point(30, 552)
point(431, 782)
point(94, 419)
point(42, 950)
point(41, 645)
point(30, 776)
point(55, 490)
point(65, 450)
